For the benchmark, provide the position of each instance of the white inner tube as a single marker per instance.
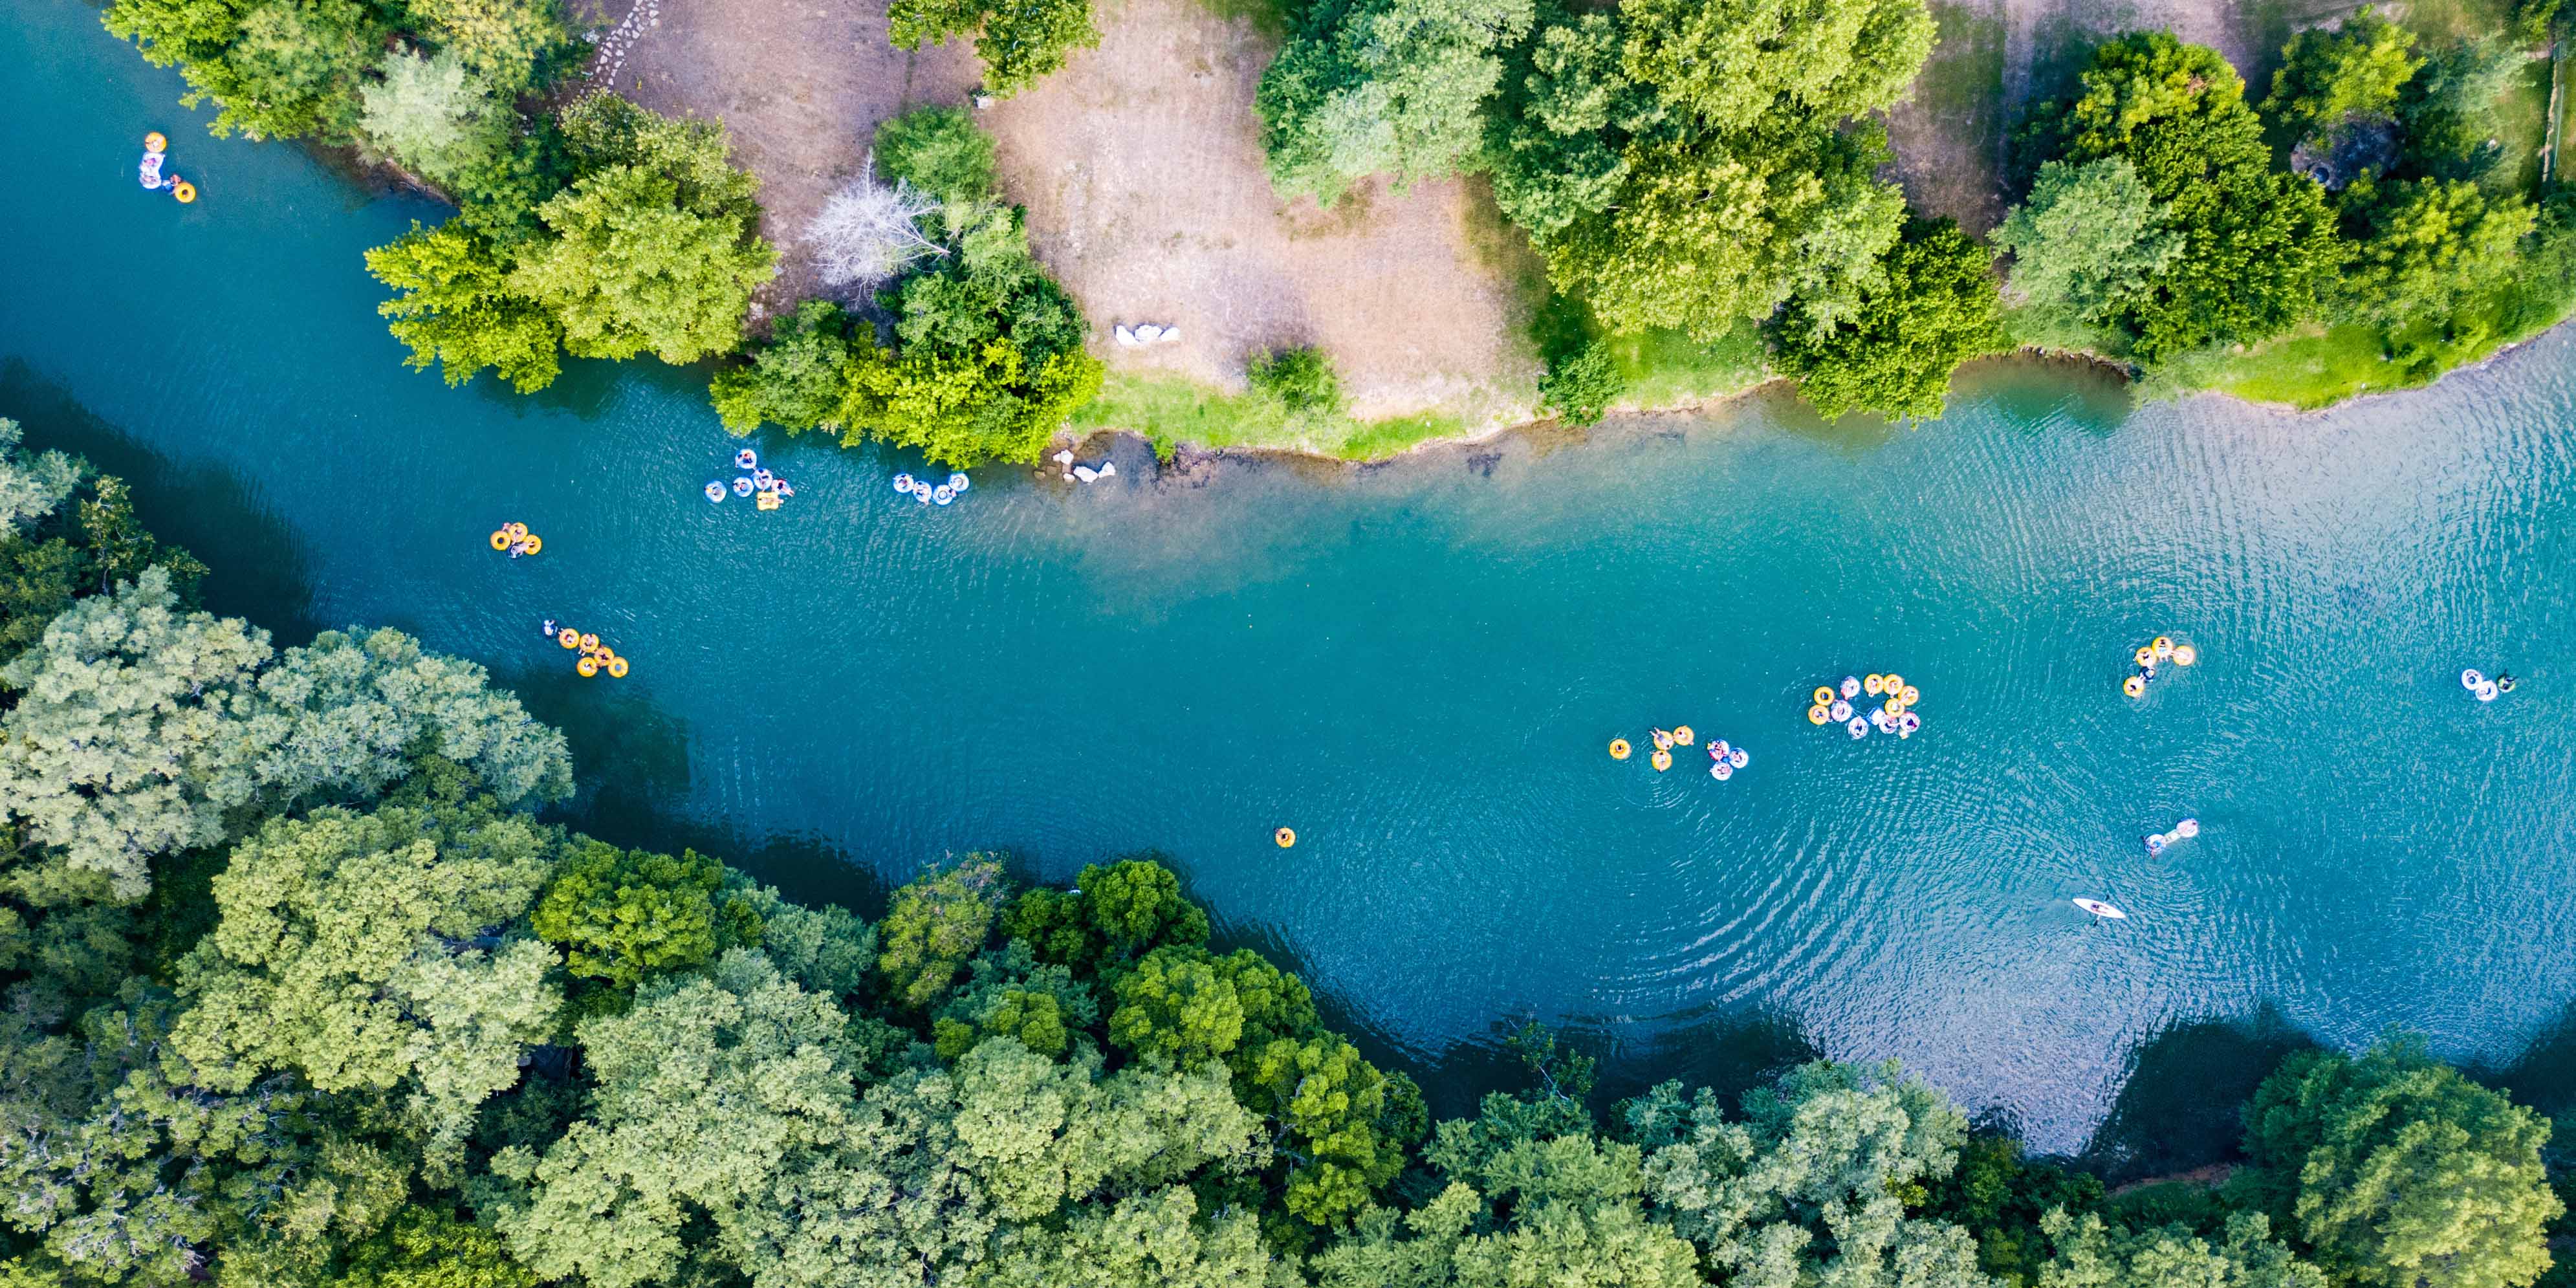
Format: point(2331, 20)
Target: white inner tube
point(1851, 687)
point(1841, 710)
point(1859, 728)
point(957, 482)
point(1738, 758)
point(2487, 690)
point(2470, 679)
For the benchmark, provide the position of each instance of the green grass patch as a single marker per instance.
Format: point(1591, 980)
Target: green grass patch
point(1172, 412)
point(1668, 369)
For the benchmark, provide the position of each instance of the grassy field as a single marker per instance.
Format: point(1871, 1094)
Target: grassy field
point(1172, 411)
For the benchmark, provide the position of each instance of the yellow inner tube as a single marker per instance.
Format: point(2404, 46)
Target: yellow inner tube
point(2144, 655)
point(184, 191)
point(589, 641)
point(617, 667)
point(1663, 760)
point(1911, 695)
point(1873, 685)
point(1286, 836)
point(535, 544)
point(587, 666)
point(570, 638)
point(1682, 735)
point(2185, 655)
point(1824, 695)
point(1891, 683)
point(515, 529)
point(1818, 715)
point(2163, 646)
point(1618, 749)
point(500, 541)
point(2133, 686)
point(153, 142)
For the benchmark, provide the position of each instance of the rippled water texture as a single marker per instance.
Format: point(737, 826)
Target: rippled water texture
point(1417, 667)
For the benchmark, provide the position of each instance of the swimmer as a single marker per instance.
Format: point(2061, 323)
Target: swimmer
point(547, 630)
point(2504, 681)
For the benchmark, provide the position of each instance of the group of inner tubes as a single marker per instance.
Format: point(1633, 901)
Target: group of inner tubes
point(2161, 649)
point(2487, 690)
point(928, 493)
point(515, 540)
point(771, 490)
point(1724, 760)
point(595, 656)
point(1832, 704)
point(156, 150)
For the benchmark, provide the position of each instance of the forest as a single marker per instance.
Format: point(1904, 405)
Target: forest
point(303, 987)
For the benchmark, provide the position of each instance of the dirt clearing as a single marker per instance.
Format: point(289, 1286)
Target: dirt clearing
point(1141, 167)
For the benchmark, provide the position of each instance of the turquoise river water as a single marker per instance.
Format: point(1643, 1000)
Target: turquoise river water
point(1418, 666)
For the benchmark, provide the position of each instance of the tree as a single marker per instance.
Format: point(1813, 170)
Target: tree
point(2353, 73)
point(273, 68)
point(2086, 239)
point(1176, 1008)
point(2450, 110)
point(794, 380)
point(1548, 139)
point(627, 268)
point(430, 1248)
point(505, 42)
point(869, 232)
point(1021, 41)
point(433, 115)
point(2397, 1172)
point(825, 949)
point(1153, 1240)
point(1814, 1181)
point(1113, 915)
point(933, 925)
point(1382, 87)
point(1933, 306)
point(1739, 65)
point(940, 151)
point(370, 951)
point(2425, 247)
point(2092, 1255)
point(140, 727)
point(623, 915)
point(455, 308)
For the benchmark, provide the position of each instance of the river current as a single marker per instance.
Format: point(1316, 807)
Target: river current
point(1418, 666)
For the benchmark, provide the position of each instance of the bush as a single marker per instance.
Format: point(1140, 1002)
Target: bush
point(1581, 387)
point(794, 381)
point(1934, 307)
point(1300, 380)
point(940, 151)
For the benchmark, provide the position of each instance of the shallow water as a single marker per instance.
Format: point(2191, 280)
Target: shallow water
point(1417, 666)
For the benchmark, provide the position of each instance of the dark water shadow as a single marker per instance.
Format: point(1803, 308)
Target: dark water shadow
point(2181, 1091)
point(2544, 1075)
point(2040, 394)
point(260, 570)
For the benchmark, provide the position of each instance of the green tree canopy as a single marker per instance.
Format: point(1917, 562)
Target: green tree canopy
point(2423, 247)
point(2397, 1172)
point(794, 380)
point(1113, 914)
point(1388, 87)
point(434, 116)
point(936, 923)
point(455, 308)
point(372, 951)
point(2329, 78)
point(1931, 307)
point(2087, 239)
point(2089, 1254)
point(1743, 65)
point(1020, 41)
point(622, 915)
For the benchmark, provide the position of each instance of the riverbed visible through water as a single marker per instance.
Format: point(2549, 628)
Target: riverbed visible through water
point(1418, 666)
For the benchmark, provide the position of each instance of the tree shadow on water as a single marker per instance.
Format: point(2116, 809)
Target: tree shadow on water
point(260, 569)
point(2179, 1101)
point(2544, 1075)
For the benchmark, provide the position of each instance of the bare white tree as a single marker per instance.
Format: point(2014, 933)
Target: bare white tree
point(869, 231)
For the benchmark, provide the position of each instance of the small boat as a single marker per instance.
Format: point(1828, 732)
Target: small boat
point(2100, 909)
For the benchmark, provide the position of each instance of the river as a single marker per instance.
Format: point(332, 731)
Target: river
point(1417, 666)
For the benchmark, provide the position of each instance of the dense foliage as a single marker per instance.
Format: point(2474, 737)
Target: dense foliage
point(986, 357)
point(372, 1023)
point(1020, 41)
point(1930, 306)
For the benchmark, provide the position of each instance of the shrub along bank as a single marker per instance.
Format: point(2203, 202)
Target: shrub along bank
point(301, 990)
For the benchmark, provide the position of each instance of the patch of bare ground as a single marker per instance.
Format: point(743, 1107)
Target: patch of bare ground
point(1141, 166)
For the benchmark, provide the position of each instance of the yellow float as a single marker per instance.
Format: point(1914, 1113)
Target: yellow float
point(1824, 695)
point(1873, 685)
point(515, 529)
point(2185, 655)
point(500, 541)
point(1682, 735)
point(534, 544)
point(589, 641)
point(2163, 646)
point(2134, 686)
point(1286, 837)
point(2145, 656)
point(570, 638)
point(1891, 683)
point(588, 666)
point(153, 142)
point(617, 668)
point(1662, 760)
point(184, 191)
point(1618, 749)
point(1818, 715)
point(1911, 695)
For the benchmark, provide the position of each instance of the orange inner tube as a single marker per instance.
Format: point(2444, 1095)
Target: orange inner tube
point(1286, 837)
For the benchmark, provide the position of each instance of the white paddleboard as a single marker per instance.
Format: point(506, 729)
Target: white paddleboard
point(2100, 909)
